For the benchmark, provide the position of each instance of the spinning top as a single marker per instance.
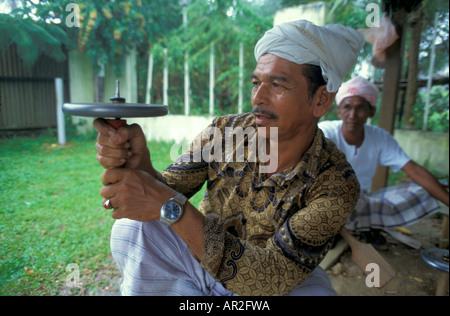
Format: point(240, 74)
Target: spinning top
point(117, 109)
point(437, 258)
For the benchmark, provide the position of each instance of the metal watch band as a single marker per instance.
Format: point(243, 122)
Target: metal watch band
point(180, 198)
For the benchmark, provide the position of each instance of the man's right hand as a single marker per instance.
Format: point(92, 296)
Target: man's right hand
point(124, 147)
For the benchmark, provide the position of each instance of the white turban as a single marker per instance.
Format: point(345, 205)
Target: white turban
point(358, 86)
point(333, 47)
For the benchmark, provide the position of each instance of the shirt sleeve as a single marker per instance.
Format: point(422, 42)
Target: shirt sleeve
point(391, 154)
point(189, 172)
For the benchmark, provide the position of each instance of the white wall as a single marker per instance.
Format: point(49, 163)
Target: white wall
point(81, 81)
point(313, 12)
point(430, 149)
point(178, 128)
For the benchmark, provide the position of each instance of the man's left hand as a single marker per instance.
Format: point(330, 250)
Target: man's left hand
point(134, 194)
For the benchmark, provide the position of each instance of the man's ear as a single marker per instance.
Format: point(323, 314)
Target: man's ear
point(322, 101)
point(373, 109)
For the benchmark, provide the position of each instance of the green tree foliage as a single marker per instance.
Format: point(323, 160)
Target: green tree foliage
point(225, 23)
point(109, 29)
point(32, 38)
point(431, 7)
point(438, 118)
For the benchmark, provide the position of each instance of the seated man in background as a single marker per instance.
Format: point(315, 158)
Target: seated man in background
point(367, 146)
point(257, 231)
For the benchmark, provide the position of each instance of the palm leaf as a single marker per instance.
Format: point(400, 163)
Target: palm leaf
point(42, 33)
point(21, 37)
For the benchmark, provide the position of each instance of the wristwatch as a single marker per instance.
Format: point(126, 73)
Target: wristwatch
point(173, 209)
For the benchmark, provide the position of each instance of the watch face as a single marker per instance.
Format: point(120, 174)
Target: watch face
point(172, 211)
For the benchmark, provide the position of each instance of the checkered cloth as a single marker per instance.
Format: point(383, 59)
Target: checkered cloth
point(393, 206)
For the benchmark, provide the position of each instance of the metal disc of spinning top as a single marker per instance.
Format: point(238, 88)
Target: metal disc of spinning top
point(437, 258)
point(117, 108)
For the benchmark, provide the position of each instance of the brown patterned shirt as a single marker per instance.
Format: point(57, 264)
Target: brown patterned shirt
point(264, 236)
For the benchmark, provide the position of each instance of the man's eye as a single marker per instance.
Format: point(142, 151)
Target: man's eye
point(278, 86)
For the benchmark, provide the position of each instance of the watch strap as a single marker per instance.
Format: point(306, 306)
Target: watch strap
point(180, 198)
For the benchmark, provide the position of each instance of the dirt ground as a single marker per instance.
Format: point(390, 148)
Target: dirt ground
point(414, 277)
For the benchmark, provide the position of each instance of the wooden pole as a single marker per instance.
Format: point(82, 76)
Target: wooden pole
point(415, 26)
point(430, 73)
point(391, 81)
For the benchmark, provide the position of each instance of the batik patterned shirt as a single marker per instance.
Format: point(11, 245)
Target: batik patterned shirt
point(265, 235)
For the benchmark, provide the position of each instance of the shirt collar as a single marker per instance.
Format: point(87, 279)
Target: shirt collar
point(306, 169)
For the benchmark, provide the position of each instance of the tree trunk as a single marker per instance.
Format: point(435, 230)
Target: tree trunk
point(415, 24)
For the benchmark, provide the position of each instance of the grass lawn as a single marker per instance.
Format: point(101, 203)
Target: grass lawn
point(51, 213)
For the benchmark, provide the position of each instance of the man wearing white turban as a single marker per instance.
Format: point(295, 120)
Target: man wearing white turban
point(256, 232)
point(367, 146)
point(333, 47)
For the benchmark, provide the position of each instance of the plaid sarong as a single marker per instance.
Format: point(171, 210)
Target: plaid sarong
point(393, 206)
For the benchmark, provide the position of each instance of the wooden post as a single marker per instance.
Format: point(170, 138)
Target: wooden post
point(391, 81)
point(415, 26)
point(430, 72)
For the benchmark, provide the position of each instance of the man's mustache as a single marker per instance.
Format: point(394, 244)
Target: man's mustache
point(258, 110)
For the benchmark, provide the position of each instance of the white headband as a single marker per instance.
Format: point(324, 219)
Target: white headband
point(333, 47)
point(358, 86)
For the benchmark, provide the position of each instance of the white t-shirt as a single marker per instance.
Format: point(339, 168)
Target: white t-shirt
point(378, 147)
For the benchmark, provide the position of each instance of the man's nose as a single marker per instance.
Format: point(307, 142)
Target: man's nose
point(260, 93)
point(352, 112)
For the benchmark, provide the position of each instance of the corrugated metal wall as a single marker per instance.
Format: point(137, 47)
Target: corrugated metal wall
point(27, 95)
